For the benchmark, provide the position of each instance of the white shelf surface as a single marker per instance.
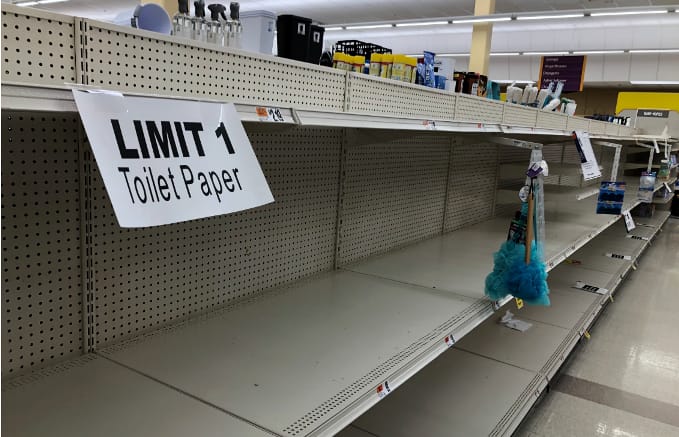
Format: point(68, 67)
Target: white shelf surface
point(325, 342)
point(50, 98)
point(447, 398)
point(93, 396)
point(496, 396)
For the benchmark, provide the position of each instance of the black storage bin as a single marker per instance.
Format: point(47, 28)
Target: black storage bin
point(293, 37)
point(315, 44)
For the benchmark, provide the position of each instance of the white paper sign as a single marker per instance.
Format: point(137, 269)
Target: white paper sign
point(166, 161)
point(589, 164)
point(629, 221)
point(638, 237)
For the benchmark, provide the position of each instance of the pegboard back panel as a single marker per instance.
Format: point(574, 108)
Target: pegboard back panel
point(122, 58)
point(147, 278)
point(478, 109)
point(471, 185)
point(577, 123)
point(37, 47)
point(552, 120)
point(41, 279)
point(369, 94)
point(517, 115)
point(394, 194)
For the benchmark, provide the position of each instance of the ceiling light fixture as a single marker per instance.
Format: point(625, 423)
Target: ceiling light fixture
point(452, 55)
point(506, 54)
point(654, 51)
point(597, 52)
point(549, 17)
point(614, 13)
point(369, 26)
point(331, 29)
point(423, 23)
point(39, 2)
point(544, 53)
point(654, 82)
point(481, 20)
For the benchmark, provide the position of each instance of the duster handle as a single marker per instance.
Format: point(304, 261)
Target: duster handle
point(529, 223)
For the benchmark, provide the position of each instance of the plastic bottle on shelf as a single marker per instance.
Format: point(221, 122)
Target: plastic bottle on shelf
point(236, 30)
point(375, 64)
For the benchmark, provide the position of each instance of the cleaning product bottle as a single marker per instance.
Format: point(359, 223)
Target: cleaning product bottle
point(375, 64)
point(236, 32)
point(181, 22)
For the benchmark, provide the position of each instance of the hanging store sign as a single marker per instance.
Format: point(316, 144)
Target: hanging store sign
point(653, 113)
point(165, 161)
point(588, 162)
point(568, 69)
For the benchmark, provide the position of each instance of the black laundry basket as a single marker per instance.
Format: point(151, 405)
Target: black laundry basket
point(293, 37)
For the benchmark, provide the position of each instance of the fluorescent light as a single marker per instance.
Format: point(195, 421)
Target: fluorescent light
point(613, 13)
point(597, 52)
point(330, 29)
point(481, 20)
point(27, 4)
point(452, 55)
point(654, 51)
point(506, 54)
point(545, 53)
point(549, 17)
point(369, 26)
point(654, 82)
point(46, 2)
point(423, 23)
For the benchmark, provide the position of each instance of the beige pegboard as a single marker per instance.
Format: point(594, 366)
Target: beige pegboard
point(147, 278)
point(478, 109)
point(516, 115)
point(471, 185)
point(38, 48)
point(612, 129)
point(122, 58)
point(368, 94)
point(552, 120)
point(41, 278)
point(597, 127)
point(579, 124)
point(394, 194)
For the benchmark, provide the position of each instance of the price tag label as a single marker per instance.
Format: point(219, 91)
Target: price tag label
point(383, 390)
point(590, 288)
point(519, 303)
point(629, 221)
point(272, 115)
point(450, 340)
point(637, 237)
point(429, 124)
point(618, 256)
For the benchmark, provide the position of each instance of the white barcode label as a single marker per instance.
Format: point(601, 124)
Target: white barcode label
point(618, 256)
point(429, 124)
point(450, 340)
point(272, 115)
point(637, 237)
point(629, 221)
point(590, 288)
point(383, 390)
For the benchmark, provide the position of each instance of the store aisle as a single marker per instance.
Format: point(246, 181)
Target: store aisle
point(624, 382)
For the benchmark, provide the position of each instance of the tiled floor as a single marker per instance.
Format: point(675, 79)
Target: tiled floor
point(624, 382)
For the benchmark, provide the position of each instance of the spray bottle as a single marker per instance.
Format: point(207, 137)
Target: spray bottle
point(236, 30)
point(215, 27)
point(181, 22)
point(198, 22)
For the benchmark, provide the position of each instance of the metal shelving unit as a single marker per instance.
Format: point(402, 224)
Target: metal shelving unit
point(284, 320)
point(503, 370)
